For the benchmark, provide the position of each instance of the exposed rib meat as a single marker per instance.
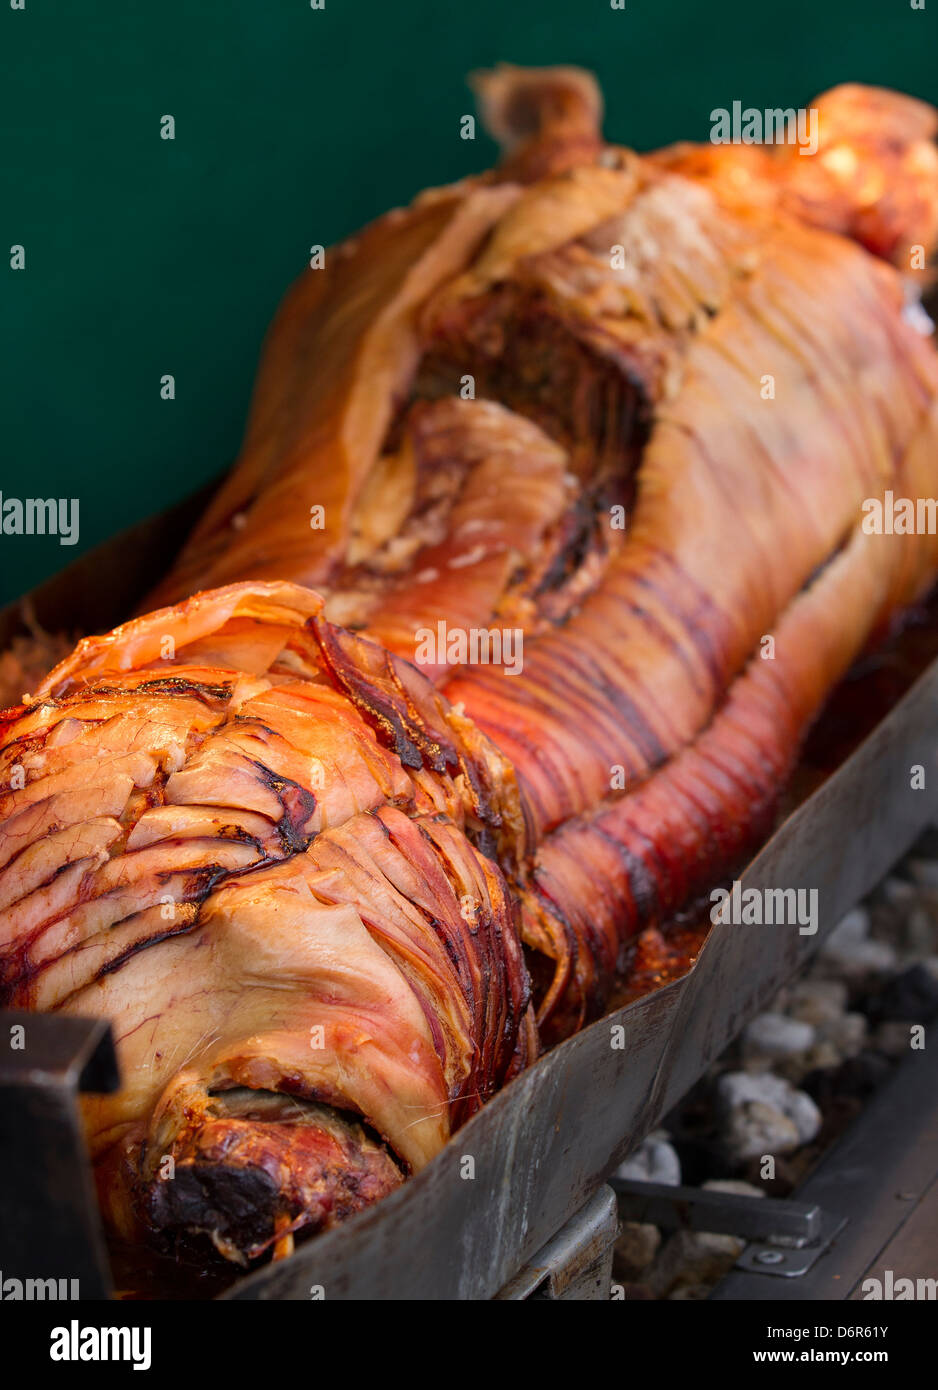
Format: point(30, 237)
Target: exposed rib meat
point(339, 353)
point(733, 515)
point(504, 514)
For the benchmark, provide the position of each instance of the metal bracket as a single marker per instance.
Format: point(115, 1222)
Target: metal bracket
point(786, 1237)
point(577, 1263)
point(727, 1213)
point(771, 1258)
point(50, 1217)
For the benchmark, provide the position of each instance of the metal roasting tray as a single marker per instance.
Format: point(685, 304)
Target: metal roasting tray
point(542, 1147)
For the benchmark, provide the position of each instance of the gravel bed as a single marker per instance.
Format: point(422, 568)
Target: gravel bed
point(789, 1086)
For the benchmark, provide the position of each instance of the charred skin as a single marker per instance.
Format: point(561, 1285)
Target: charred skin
point(470, 392)
point(251, 1169)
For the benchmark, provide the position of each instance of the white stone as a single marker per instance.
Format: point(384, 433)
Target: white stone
point(854, 927)
point(737, 1088)
point(693, 1258)
point(846, 1034)
point(822, 1054)
point(655, 1160)
point(774, 1036)
point(755, 1128)
point(637, 1245)
point(854, 958)
point(817, 1001)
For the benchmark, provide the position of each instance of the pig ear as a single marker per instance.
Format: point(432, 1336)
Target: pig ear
point(874, 176)
point(852, 111)
point(551, 115)
point(281, 608)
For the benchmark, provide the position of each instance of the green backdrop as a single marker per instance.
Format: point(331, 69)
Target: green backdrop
point(293, 126)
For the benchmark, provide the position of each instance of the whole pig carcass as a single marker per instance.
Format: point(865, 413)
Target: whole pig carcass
point(593, 441)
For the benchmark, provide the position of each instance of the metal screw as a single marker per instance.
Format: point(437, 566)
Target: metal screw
point(769, 1257)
